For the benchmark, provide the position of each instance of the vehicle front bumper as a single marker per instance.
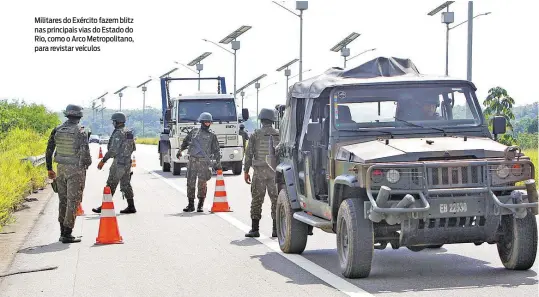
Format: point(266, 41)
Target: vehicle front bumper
point(450, 202)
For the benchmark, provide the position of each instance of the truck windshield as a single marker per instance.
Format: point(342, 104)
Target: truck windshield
point(221, 110)
point(397, 107)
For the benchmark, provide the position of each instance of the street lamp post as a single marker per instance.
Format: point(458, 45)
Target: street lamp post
point(287, 72)
point(176, 62)
point(301, 6)
point(120, 94)
point(341, 46)
point(448, 17)
point(247, 85)
point(143, 85)
point(199, 66)
point(231, 38)
point(257, 87)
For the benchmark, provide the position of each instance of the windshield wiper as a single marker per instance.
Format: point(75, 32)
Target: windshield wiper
point(419, 126)
point(360, 129)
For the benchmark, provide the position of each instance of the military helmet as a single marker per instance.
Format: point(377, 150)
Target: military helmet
point(242, 126)
point(118, 117)
point(267, 114)
point(205, 117)
point(73, 111)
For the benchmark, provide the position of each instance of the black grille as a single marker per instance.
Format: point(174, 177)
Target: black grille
point(466, 176)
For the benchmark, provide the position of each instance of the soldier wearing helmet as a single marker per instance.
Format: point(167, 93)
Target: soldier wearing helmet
point(73, 157)
point(203, 148)
point(428, 109)
point(263, 176)
point(244, 135)
point(120, 147)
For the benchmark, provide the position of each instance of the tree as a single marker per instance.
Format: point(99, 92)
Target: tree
point(499, 103)
point(532, 128)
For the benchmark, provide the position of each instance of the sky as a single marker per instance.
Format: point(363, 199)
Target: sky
point(166, 31)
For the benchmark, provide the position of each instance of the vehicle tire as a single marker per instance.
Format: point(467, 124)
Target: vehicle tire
point(291, 233)
point(416, 248)
point(176, 168)
point(355, 239)
point(435, 246)
point(237, 167)
point(164, 165)
point(517, 247)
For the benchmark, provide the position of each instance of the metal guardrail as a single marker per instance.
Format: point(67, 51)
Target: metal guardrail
point(35, 160)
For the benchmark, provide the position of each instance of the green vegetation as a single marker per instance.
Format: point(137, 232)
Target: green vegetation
point(154, 141)
point(24, 130)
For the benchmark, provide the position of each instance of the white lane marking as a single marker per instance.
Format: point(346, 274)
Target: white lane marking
point(325, 275)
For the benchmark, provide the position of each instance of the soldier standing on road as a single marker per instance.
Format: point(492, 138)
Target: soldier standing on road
point(120, 147)
point(264, 176)
point(73, 158)
point(244, 135)
point(203, 147)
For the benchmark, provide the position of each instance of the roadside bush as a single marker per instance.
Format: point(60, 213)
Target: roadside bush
point(24, 130)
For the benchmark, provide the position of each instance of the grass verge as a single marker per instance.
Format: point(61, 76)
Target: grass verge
point(19, 178)
point(154, 141)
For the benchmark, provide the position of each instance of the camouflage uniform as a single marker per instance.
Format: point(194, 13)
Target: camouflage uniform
point(244, 135)
point(264, 176)
point(73, 158)
point(120, 147)
point(203, 147)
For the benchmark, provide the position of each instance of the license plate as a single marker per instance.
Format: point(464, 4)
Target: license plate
point(451, 207)
point(456, 207)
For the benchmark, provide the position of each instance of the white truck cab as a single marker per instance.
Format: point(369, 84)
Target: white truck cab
point(184, 114)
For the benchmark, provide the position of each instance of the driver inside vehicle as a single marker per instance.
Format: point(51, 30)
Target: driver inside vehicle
point(429, 109)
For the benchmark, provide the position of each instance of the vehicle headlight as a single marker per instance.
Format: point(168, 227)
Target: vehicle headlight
point(502, 171)
point(231, 156)
point(236, 152)
point(393, 176)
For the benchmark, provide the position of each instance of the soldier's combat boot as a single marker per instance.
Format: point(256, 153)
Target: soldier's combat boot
point(274, 231)
point(67, 237)
point(130, 207)
point(191, 206)
point(254, 230)
point(200, 204)
point(97, 210)
point(310, 230)
point(62, 230)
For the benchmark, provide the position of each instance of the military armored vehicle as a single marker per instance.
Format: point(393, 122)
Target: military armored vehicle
point(381, 154)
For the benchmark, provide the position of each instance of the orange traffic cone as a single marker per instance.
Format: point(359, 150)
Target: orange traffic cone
point(134, 163)
point(100, 154)
point(108, 226)
point(220, 203)
point(80, 211)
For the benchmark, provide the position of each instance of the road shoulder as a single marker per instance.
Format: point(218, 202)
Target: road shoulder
point(14, 235)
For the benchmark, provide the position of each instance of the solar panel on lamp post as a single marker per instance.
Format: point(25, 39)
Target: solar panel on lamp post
point(143, 85)
point(287, 72)
point(341, 46)
point(199, 66)
point(301, 6)
point(120, 94)
point(448, 17)
point(231, 38)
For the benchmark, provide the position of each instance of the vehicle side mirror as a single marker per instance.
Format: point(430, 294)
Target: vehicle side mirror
point(499, 125)
point(245, 114)
point(168, 115)
point(314, 133)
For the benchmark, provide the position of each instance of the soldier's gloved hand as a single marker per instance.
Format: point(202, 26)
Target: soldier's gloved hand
point(247, 178)
point(51, 174)
point(100, 165)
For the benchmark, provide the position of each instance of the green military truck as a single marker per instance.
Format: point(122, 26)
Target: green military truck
point(381, 154)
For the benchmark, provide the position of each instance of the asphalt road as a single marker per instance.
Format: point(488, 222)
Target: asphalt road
point(169, 253)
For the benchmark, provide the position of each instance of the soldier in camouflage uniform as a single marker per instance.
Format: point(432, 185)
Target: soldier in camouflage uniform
point(203, 147)
point(264, 176)
point(73, 158)
point(120, 147)
point(244, 135)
